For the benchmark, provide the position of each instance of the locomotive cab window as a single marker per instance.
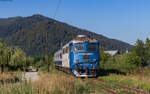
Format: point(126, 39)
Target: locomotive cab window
point(60, 56)
point(92, 47)
point(64, 51)
point(79, 47)
point(67, 48)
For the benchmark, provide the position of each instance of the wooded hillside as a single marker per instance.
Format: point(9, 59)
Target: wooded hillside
point(29, 33)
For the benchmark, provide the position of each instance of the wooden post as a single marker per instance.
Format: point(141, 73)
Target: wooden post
point(48, 65)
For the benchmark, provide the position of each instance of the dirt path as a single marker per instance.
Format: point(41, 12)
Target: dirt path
point(33, 76)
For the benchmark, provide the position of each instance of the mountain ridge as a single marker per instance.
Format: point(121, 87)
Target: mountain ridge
point(29, 32)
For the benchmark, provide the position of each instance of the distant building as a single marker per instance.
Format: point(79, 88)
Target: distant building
point(113, 52)
point(127, 51)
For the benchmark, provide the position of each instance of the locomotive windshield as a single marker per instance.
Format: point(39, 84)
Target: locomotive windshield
point(92, 47)
point(79, 47)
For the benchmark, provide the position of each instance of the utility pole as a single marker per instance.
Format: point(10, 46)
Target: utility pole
point(48, 64)
point(46, 48)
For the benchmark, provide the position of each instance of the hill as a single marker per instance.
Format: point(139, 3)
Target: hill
point(29, 34)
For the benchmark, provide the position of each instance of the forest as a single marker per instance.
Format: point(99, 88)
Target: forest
point(29, 34)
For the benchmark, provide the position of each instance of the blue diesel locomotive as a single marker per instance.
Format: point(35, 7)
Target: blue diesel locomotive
point(80, 57)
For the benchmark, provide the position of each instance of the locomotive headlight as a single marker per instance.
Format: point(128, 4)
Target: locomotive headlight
point(92, 67)
point(77, 60)
point(94, 60)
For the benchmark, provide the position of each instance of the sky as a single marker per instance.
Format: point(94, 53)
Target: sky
point(125, 20)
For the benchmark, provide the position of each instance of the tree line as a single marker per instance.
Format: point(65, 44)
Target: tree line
point(133, 61)
point(12, 58)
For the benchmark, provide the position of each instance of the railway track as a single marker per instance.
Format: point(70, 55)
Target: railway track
point(108, 90)
point(112, 91)
point(98, 84)
point(138, 91)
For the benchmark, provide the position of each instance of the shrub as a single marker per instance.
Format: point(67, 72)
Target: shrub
point(125, 63)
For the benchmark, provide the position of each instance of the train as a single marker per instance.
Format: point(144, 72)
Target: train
point(80, 57)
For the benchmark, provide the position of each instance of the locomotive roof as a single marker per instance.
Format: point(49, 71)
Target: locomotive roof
point(81, 38)
point(58, 52)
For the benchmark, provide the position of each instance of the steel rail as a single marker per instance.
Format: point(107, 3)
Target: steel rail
point(103, 88)
point(123, 87)
point(94, 85)
point(138, 91)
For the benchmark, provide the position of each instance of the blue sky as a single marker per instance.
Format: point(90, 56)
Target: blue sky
point(126, 20)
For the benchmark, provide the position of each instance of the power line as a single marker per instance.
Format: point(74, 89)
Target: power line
point(57, 8)
point(46, 49)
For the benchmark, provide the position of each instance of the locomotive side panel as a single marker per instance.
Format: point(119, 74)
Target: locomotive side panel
point(65, 60)
point(58, 58)
point(65, 57)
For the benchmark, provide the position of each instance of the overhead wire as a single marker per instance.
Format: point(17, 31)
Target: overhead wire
point(57, 8)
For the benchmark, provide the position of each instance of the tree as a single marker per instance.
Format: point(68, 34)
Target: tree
point(139, 49)
point(2, 56)
point(147, 51)
point(104, 56)
point(5, 54)
point(133, 59)
point(18, 60)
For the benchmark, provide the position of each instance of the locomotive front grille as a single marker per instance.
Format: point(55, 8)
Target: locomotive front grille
point(86, 57)
point(84, 62)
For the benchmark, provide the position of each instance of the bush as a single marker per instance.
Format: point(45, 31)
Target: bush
point(125, 63)
point(12, 58)
point(41, 64)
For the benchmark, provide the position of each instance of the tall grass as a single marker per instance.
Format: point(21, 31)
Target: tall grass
point(134, 81)
point(10, 77)
point(48, 84)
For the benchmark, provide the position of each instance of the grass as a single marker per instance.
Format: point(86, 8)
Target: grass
point(139, 80)
point(49, 83)
point(10, 77)
point(57, 82)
